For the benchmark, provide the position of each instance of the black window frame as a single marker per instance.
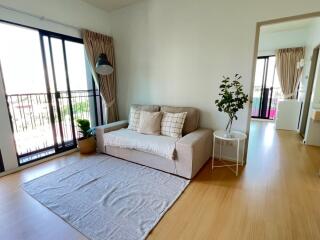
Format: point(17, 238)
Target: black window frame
point(64, 37)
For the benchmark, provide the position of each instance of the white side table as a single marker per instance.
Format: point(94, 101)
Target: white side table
point(236, 136)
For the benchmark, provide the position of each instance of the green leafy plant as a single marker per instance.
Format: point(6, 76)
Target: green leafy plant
point(85, 129)
point(232, 98)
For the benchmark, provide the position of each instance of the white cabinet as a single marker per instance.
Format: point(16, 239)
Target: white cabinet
point(288, 114)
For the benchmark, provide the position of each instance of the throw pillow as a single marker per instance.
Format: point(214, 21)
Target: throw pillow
point(172, 124)
point(134, 118)
point(150, 123)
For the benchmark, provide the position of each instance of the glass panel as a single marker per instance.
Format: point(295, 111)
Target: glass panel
point(270, 72)
point(271, 91)
point(62, 106)
point(77, 66)
point(257, 87)
point(82, 94)
point(276, 95)
point(59, 67)
point(24, 79)
point(21, 61)
point(51, 74)
point(49, 63)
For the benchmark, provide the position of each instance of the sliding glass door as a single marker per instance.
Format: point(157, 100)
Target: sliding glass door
point(48, 86)
point(59, 92)
point(267, 89)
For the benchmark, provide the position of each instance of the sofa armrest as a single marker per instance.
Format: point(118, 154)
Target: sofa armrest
point(193, 150)
point(101, 130)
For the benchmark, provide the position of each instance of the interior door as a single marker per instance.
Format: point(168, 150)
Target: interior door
point(306, 104)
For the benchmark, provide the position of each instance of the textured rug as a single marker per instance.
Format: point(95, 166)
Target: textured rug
point(107, 198)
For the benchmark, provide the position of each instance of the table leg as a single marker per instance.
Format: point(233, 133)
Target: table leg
point(220, 143)
point(238, 155)
point(242, 158)
point(214, 144)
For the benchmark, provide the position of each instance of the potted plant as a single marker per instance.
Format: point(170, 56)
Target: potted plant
point(232, 99)
point(87, 142)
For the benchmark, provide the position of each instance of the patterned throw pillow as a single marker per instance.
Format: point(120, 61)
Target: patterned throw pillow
point(134, 118)
point(172, 124)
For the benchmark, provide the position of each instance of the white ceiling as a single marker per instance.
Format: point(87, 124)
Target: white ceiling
point(110, 5)
point(289, 25)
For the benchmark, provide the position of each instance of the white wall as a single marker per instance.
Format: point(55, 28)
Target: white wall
point(269, 42)
point(71, 12)
point(176, 51)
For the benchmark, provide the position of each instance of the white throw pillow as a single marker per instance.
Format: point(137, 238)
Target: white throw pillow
point(172, 124)
point(134, 119)
point(150, 123)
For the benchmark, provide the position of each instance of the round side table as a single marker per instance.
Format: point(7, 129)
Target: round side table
point(235, 136)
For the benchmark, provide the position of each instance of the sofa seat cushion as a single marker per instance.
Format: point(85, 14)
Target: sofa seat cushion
point(159, 145)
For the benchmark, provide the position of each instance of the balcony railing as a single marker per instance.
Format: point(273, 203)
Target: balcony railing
point(33, 126)
point(276, 95)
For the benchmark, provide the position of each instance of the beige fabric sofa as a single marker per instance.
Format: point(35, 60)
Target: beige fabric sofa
point(192, 150)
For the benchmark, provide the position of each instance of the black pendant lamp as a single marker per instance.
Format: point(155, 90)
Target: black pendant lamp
point(103, 66)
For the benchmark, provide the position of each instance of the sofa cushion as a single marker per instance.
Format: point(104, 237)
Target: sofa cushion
point(134, 115)
point(134, 119)
point(192, 120)
point(150, 123)
point(148, 108)
point(159, 145)
point(172, 124)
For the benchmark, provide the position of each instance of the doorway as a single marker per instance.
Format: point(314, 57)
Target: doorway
point(299, 32)
point(48, 86)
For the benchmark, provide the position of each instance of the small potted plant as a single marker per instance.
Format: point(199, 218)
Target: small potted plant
point(232, 99)
point(87, 142)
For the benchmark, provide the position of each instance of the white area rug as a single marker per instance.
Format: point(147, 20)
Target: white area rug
point(107, 198)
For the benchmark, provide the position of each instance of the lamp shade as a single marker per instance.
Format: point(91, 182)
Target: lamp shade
point(103, 66)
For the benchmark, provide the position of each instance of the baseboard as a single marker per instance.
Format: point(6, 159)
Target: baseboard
point(18, 169)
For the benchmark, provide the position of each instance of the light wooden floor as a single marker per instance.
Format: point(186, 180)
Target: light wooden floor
point(277, 196)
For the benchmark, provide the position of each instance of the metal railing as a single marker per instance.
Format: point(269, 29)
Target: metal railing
point(33, 126)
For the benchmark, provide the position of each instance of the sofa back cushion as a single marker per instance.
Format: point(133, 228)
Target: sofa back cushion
point(147, 108)
point(134, 115)
point(191, 122)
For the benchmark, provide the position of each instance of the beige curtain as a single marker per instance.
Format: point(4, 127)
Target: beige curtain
point(289, 70)
point(95, 44)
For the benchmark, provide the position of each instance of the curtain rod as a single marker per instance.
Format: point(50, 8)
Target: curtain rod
point(42, 18)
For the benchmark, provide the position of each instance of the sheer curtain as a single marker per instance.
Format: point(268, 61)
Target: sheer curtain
point(289, 69)
point(95, 44)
